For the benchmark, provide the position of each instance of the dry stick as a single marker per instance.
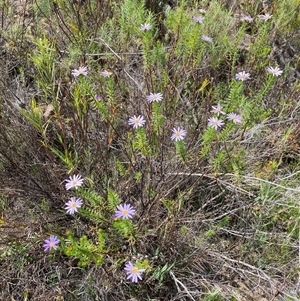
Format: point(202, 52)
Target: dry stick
point(258, 271)
point(213, 177)
point(234, 175)
point(117, 56)
point(291, 175)
point(179, 282)
point(265, 181)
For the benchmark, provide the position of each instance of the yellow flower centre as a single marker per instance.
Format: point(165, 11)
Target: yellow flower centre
point(52, 244)
point(216, 122)
point(74, 183)
point(124, 211)
point(134, 270)
point(136, 121)
point(177, 134)
point(73, 205)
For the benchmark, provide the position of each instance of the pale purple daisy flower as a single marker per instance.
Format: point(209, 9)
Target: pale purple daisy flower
point(136, 121)
point(265, 17)
point(106, 73)
point(234, 117)
point(215, 122)
point(207, 39)
point(98, 97)
point(198, 19)
point(73, 205)
point(133, 273)
point(246, 18)
point(145, 26)
point(217, 109)
point(178, 134)
point(51, 243)
point(124, 211)
point(154, 97)
point(242, 76)
point(74, 182)
point(80, 71)
point(274, 71)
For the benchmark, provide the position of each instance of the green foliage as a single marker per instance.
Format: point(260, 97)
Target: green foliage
point(44, 60)
point(138, 176)
point(93, 198)
point(17, 254)
point(97, 210)
point(207, 138)
point(169, 204)
point(264, 89)
point(214, 296)
point(235, 93)
point(125, 228)
point(34, 117)
point(80, 101)
point(132, 15)
point(222, 223)
point(218, 162)
point(113, 199)
point(121, 168)
point(262, 46)
point(157, 118)
point(140, 142)
point(161, 272)
point(42, 8)
point(65, 156)
point(3, 202)
point(179, 24)
point(84, 249)
point(102, 108)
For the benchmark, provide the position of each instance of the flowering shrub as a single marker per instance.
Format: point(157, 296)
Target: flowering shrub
point(170, 153)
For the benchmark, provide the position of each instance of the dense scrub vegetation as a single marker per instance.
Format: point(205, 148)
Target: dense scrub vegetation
point(149, 150)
